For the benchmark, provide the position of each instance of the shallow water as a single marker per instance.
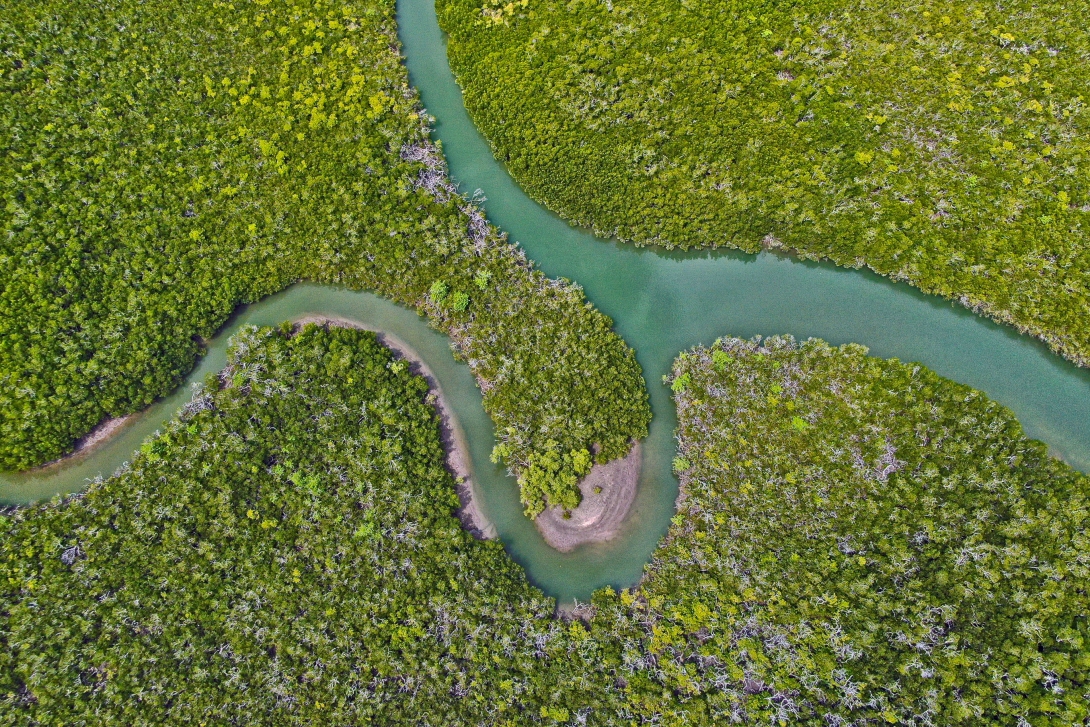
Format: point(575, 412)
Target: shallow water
point(664, 302)
point(661, 303)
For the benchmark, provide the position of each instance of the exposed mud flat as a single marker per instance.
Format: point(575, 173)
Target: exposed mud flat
point(600, 515)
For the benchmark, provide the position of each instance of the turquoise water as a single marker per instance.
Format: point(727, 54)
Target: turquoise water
point(664, 302)
point(661, 303)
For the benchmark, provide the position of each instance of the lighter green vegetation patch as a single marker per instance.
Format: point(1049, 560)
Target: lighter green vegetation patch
point(159, 166)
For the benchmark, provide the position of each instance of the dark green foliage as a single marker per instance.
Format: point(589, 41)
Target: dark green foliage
point(858, 542)
point(942, 143)
point(161, 163)
point(861, 540)
point(284, 553)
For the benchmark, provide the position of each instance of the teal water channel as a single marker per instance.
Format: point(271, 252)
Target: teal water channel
point(661, 303)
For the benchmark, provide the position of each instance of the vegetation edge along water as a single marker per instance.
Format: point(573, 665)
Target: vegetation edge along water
point(162, 167)
point(285, 552)
point(943, 144)
point(565, 576)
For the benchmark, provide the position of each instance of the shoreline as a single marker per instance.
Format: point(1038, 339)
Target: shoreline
point(87, 444)
point(600, 515)
point(450, 433)
point(451, 437)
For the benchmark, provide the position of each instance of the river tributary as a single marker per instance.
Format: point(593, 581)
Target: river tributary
point(661, 303)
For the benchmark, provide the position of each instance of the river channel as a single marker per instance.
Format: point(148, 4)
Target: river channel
point(661, 303)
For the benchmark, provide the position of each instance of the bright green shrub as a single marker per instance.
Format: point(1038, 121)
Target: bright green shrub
point(552, 478)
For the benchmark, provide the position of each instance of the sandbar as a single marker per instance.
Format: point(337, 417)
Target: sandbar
point(600, 515)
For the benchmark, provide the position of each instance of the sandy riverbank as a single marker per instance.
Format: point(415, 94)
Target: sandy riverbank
point(600, 515)
point(471, 515)
point(85, 446)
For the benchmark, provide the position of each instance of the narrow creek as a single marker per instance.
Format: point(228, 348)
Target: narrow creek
point(661, 303)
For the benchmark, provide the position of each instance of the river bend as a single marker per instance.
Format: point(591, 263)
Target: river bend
point(661, 303)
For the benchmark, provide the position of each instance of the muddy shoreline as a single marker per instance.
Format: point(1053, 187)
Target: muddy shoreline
point(87, 444)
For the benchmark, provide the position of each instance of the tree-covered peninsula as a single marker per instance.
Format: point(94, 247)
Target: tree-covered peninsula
point(161, 163)
point(942, 143)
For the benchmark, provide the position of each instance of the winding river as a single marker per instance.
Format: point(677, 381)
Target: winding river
point(661, 303)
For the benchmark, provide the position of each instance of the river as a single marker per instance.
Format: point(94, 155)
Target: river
point(661, 303)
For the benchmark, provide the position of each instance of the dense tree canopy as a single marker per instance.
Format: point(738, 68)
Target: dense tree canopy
point(861, 541)
point(858, 542)
point(942, 143)
point(162, 162)
point(283, 553)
